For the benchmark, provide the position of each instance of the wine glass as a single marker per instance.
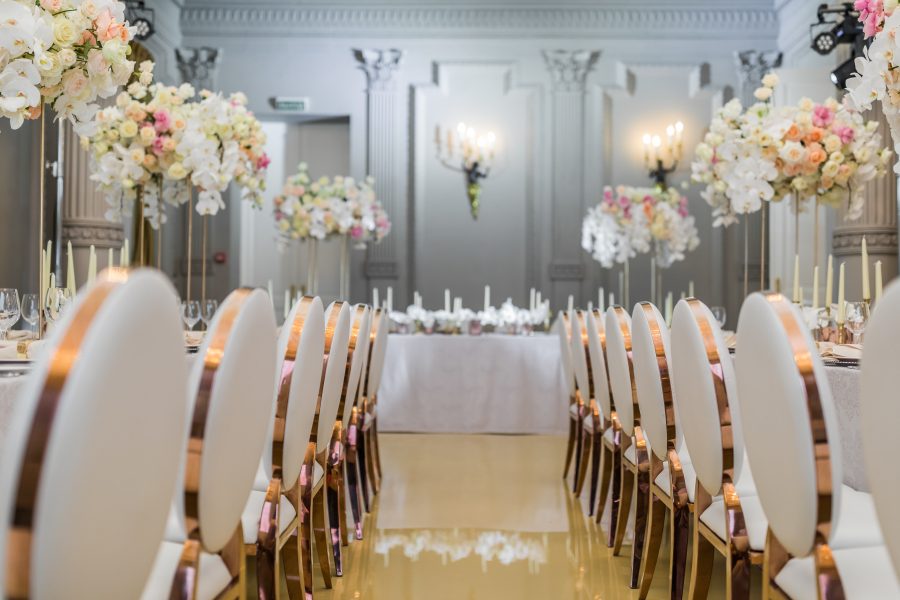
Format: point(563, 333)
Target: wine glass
point(190, 313)
point(857, 318)
point(9, 309)
point(208, 310)
point(31, 308)
point(718, 313)
point(56, 303)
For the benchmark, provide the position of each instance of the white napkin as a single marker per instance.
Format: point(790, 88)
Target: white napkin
point(193, 338)
point(831, 350)
point(9, 349)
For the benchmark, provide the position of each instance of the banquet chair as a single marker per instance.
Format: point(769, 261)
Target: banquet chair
point(576, 404)
point(232, 388)
point(362, 317)
point(880, 416)
point(728, 518)
point(824, 540)
point(272, 518)
point(579, 348)
point(95, 422)
point(597, 421)
point(334, 474)
point(672, 475)
point(634, 460)
point(323, 441)
point(367, 446)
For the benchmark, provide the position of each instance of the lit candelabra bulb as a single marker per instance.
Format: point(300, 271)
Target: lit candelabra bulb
point(647, 141)
point(656, 142)
point(679, 133)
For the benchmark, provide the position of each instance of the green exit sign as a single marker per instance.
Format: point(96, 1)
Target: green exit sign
point(295, 104)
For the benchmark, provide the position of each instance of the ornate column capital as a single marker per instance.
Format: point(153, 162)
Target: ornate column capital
point(752, 65)
point(199, 66)
point(570, 68)
point(379, 66)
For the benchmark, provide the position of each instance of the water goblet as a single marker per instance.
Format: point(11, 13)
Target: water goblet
point(9, 309)
point(718, 313)
point(857, 318)
point(56, 303)
point(190, 313)
point(31, 309)
point(208, 311)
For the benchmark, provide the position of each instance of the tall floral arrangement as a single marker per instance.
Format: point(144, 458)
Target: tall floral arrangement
point(65, 53)
point(330, 206)
point(133, 148)
point(632, 220)
point(822, 151)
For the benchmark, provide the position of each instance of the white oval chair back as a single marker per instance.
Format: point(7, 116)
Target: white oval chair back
point(337, 328)
point(112, 382)
point(621, 369)
point(377, 353)
point(301, 345)
point(706, 397)
point(233, 386)
point(356, 351)
point(880, 415)
point(564, 331)
point(650, 348)
point(783, 380)
point(599, 373)
point(366, 358)
point(579, 350)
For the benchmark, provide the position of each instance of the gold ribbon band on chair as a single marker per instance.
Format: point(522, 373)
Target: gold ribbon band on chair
point(212, 359)
point(376, 323)
point(330, 326)
point(21, 532)
point(284, 383)
point(718, 380)
point(822, 453)
point(662, 364)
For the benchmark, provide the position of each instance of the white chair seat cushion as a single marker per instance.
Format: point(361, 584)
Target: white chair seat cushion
point(573, 411)
point(608, 434)
point(690, 478)
point(865, 573)
point(754, 518)
point(253, 510)
point(857, 524)
point(629, 454)
point(214, 576)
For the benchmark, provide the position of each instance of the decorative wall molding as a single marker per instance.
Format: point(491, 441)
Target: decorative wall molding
point(379, 66)
point(752, 66)
point(249, 19)
point(878, 241)
point(87, 233)
point(569, 68)
point(199, 66)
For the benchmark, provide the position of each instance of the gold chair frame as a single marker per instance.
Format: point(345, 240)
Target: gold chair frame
point(736, 547)
point(366, 442)
point(674, 501)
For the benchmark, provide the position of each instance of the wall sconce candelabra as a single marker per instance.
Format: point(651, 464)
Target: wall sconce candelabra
point(469, 153)
point(662, 161)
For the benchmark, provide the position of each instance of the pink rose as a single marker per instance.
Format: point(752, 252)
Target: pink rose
point(263, 162)
point(51, 5)
point(158, 145)
point(846, 134)
point(163, 121)
point(822, 116)
point(871, 15)
point(356, 232)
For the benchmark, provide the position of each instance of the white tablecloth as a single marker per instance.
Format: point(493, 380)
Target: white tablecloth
point(473, 384)
point(845, 391)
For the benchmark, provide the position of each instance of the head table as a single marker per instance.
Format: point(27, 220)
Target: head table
point(501, 384)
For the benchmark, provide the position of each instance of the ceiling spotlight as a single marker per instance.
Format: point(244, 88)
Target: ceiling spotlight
point(140, 18)
point(838, 24)
point(824, 43)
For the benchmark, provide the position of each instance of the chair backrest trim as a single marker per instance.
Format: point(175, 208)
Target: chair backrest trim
point(662, 363)
point(21, 533)
point(333, 316)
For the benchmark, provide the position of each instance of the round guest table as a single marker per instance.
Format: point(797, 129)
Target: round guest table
point(490, 383)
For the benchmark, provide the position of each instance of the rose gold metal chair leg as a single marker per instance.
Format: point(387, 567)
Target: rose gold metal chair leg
point(370, 452)
point(596, 444)
point(737, 572)
point(615, 489)
point(321, 530)
point(606, 470)
point(351, 467)
point(655, 527)
point(304, 519)
point(679, 527)
point(290, 562)
point(624, 504)
point(267, 571)
point(579, 452)
point(377, 447)
point(703, 551)
point(641, 505)
point(362, 453)
point(234, 557)
point(585, 455)
point(333, 481)
point(570, 445)
point(184, 586)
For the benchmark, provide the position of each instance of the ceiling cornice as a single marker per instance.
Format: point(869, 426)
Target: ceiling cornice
point(250, 19)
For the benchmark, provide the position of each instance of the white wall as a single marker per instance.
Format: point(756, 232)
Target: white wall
point(657, 63)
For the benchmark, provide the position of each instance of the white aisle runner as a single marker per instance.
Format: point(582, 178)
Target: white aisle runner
point(473, 384)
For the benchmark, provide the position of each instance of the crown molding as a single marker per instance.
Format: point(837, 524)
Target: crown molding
point(250, 19)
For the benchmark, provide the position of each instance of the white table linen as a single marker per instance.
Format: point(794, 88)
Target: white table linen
point(473, 384)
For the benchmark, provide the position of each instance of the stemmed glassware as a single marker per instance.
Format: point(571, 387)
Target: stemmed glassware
point(190, 313)
point(857, 318)
point(208, 311)
point(31, 308)
point(718, 313)
point(9, 309)
point(57, 301)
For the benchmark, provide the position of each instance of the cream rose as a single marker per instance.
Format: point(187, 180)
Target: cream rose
point(64, 31)
point(177, 171)
point(128, 129)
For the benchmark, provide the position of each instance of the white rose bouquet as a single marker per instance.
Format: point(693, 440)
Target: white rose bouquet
point(66, 53)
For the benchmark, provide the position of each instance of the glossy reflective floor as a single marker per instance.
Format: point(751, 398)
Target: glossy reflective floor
point(483, 517)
